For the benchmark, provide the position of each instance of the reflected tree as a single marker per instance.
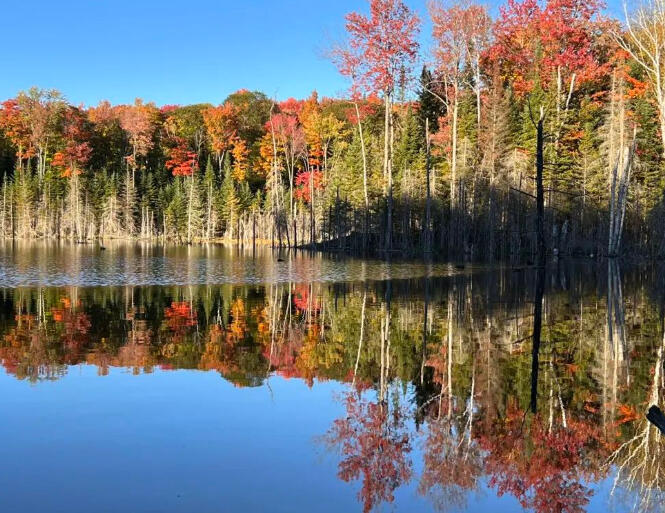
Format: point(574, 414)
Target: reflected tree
point(374, 445)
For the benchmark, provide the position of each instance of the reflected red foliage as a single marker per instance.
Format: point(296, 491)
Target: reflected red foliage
point(302, 300)
point(541, 468)
point(374, 446)
point(180, 316)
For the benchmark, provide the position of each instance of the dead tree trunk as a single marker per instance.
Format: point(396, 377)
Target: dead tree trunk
point(388, 168)
point(537, 328)
point(619, 196)
point(540, 192)
point(428, 207)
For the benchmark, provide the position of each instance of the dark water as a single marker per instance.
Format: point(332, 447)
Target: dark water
point(310, 386)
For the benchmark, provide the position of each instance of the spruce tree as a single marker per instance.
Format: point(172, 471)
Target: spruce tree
point(209, 186)
point(429, 106)
point(228, 202)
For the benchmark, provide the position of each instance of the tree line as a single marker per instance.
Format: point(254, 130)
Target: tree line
point(539, 132)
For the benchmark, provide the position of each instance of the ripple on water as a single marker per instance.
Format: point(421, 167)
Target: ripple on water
point(123, 263)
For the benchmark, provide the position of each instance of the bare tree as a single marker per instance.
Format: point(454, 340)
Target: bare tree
point(639, 461)
point(645, 41)
point(619, 194)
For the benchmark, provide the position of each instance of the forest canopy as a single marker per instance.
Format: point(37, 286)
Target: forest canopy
point(439, 158)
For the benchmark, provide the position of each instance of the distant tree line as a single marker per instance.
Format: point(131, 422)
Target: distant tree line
point(540, 129)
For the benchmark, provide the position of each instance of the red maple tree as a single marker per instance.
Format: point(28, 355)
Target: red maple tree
point(543, 45)
point(182, 161)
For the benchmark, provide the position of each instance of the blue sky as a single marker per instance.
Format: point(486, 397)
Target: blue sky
point(172, 51)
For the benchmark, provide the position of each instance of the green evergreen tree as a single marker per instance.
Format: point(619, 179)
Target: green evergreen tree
point(430, 107)
point(228, 203)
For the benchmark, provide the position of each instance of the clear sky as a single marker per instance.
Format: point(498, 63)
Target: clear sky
point(174, 51)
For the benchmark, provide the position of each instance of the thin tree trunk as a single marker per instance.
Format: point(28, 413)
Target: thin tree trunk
point(540, 193)
point(209, 223)
point(453, 170)
point(388, 169)
point(365, 192)
point(360, 341)
point(428, 207)
point(189, 209)
point(537, 328)
point(619, 195)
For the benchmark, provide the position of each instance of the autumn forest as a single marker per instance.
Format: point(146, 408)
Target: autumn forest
point(539, 131)
point(439, 288)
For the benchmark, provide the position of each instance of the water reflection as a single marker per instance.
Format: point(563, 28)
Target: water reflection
point(526, 384)
point(54, 263)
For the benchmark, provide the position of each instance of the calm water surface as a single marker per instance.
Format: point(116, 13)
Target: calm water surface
point(120, 263)
point(148, 379)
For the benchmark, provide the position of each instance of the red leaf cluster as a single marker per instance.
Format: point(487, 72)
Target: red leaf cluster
point(77, 150)
point(182, 161)
point(381, 47)
point(535, 43)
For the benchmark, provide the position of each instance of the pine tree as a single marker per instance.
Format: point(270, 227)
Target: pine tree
point(196, 208)
point(50, 216)
point(209, 185)
point(129, 201)
point(111, 224)
point(95, 190)
point(409, 157)
point(24, 192)
point(429, 106)
point(176, 211)
point(228, 203)
point(590, 174)
point(5, 208)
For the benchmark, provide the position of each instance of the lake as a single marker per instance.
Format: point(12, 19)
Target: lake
point(207, 379)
